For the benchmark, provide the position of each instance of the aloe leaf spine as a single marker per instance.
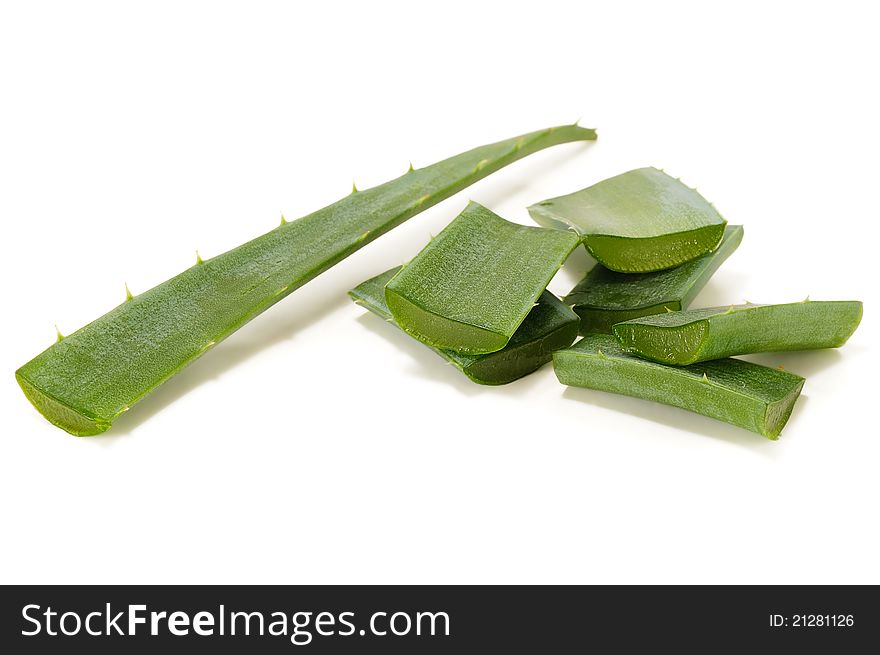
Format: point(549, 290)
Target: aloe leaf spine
point(88, 379)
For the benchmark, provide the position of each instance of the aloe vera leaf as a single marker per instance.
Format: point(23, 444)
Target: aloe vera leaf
point(549, 326)
point(85, 381)
point(473, 285)
point(637, 222)
point(605, 297)
point(700, 335)
point(754, 397)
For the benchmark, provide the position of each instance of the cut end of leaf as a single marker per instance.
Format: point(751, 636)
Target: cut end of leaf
point(645, 255)
point(673, 347)
point(778, 414)
point(439, 331)
point(60, 414)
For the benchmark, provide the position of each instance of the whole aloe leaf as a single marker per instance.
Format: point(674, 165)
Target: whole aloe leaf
point(86, 380)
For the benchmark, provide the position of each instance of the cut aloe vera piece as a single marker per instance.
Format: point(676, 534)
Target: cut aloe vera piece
point(700, 335)
point(89, 378)
point(475, 282)
point(550, 325)
point(754, 397)
point(605, 297)
point(637, 222)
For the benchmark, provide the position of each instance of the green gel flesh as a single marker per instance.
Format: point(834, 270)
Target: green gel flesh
point(754, 397)
point(637, 222)
point(475, 282)
point(549, 326)
point(700, 335)
point(605, 297)
point(85, 381)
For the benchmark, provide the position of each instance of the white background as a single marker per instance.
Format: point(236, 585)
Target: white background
point(319, 445)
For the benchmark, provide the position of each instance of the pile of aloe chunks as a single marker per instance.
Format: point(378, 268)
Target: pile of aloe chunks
point(477, 294)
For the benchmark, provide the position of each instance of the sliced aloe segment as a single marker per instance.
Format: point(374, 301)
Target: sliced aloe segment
point(637, 222)
point(605, 297)
point(754, 397)
point(475, 282)
point(550, 325)
point(700, 335)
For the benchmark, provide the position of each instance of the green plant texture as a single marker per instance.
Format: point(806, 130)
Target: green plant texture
point(754, 397)
point(473, 285)
point(605, 297)
point(699, 335)
point(89, 378)
point(549, 326)
point(637, 222)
